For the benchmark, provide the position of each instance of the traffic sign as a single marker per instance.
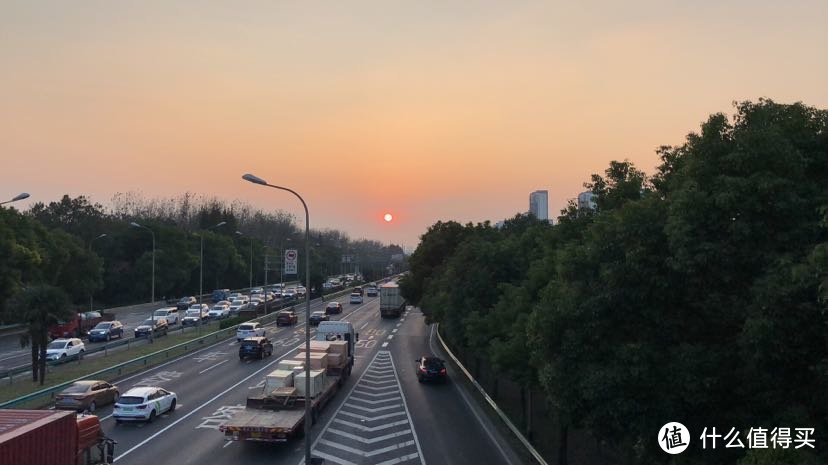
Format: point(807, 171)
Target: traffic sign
point(291, 259)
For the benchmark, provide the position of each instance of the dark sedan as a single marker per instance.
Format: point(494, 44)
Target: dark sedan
point(106, 330)
point(86, 395)
point(317, 317)
point(333, 308)
point(431, 369)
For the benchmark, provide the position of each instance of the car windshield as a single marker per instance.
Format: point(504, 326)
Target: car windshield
point(161, 313)
point(56, 345)
point(185, 300)
point(130, 400)
point(250, 344)
point(318, 314)
point(246, 328)
point(102, 326)
point(148, 322)
point(193, 312)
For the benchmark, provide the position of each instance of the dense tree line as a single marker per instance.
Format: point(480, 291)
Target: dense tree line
point(697, 294)
point(56, 255)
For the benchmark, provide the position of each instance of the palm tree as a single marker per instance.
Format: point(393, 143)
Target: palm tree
point(40, 306)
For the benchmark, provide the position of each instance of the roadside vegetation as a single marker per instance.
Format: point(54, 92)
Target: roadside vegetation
point(697, 294)
point(57, 256)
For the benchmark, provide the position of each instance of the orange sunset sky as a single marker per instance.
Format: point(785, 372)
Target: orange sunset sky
point(429, 110)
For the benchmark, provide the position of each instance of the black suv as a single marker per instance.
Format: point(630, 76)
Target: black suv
point(185, 302)
point(156, 327)
point(256, 347)
point(431, 369)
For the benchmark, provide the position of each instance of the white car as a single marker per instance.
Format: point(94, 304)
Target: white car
point(301, 291)
point(257, 290)
point(237, 305)
point(144, 404)
point(62, 349)
point(219, 311)
point(249, 330)
point(356, 298)
point(170, 314)
point(193, 317)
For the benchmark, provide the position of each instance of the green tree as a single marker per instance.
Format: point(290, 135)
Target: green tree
point(39, 307)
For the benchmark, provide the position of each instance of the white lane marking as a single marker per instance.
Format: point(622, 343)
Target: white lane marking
point(390, 336)
point(394, 330)
point(210, 368)
point(468, 403)
point(399, 324)
point(363, 326)
point(385, 344)
point(125, 453)
point(228, 443)
point(408, 414)
point(339, 410)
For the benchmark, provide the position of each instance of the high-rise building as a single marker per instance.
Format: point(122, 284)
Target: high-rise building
point(539, 204)
point(586, 201)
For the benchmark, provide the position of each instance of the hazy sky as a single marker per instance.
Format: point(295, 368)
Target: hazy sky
point(430, 110)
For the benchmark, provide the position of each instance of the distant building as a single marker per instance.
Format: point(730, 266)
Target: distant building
point(500, 224)
point(586, 201)
point(539, 204)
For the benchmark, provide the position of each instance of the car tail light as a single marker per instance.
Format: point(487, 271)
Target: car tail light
point(423, 370)
point(442, 371)
point(141, 407)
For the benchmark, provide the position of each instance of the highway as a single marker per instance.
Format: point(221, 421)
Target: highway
point(381, 415)
point(13, 356)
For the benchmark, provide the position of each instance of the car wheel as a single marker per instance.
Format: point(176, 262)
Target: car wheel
point(108, 337)
point(92, 407)
point(172, 406)
point(420, 379)
point(117, 422)
point(151, 417)
point(116, 396)
point(63, 356)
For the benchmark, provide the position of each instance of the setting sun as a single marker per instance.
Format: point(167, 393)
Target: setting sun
point(388, 217)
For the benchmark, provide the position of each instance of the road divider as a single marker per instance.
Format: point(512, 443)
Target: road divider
point(45, 397)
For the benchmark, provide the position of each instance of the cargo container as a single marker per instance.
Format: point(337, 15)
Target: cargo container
point(391, 301)
point(53, 437)
point(277, 413)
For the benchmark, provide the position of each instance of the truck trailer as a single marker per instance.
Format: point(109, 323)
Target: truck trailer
point(53, 437)
point(391, 301)
point(277, 413)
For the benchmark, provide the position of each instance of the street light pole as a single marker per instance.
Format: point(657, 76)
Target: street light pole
point(308, 418)
point(201, 261)
point(136, 225)
point(17, 197)
point(92, 292)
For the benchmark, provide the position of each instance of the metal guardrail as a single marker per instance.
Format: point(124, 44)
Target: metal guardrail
point(47, 395)
point(535, 454)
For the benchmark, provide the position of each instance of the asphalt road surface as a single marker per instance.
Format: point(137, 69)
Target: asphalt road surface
point(381, 414)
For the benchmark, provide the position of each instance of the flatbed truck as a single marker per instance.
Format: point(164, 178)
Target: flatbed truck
point(268, 417)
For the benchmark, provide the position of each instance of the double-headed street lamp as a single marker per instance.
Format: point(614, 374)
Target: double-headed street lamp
point(201, 266)
point(91, 292)
point(20, 196)
point(308, 418)
point(136, 225)
point(239, 233)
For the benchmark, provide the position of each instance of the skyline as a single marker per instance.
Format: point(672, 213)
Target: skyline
point(428, 112)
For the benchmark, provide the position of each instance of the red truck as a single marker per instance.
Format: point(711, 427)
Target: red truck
point(83, 321)
point(53, 437)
